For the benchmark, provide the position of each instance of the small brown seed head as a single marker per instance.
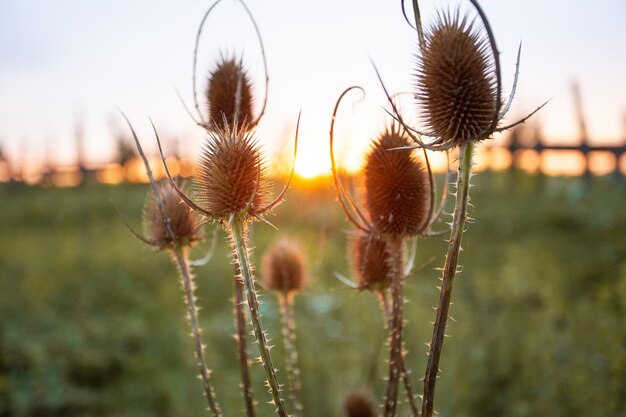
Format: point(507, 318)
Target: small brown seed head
point(283, 267)
point(371, 261)
point(397, 187)
point(231, 176)
point(456, 85)
point(181, 218)
point(358, 404)
point(228, 85)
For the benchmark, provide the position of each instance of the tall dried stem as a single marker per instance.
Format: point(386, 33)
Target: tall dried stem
point(179, 253)
point(396, 325)
point(237, 230)
point(408, 386)
point(242, 346)
point(289, 338)
point(449, 273)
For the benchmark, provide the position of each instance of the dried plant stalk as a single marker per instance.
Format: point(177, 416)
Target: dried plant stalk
point(449, 273)
point(408, 386)
point(396, 325)
point(242, 346)
point(284, 272)
point(289, 338)
point(237, 230)
point(182, 260)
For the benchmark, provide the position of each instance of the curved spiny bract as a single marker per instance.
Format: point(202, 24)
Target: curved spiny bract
point(180, 217)
point(456, 83)
point(231, 176)
point(371, 260)
point(283, 267)
point(229, 96)
point(397, 188)
point(351, 210)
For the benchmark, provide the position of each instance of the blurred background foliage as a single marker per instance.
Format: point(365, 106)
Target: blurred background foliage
point(93, 321)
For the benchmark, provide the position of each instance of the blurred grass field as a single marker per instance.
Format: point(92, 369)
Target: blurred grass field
point(93, 321)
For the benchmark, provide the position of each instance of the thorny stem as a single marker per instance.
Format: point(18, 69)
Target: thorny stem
point(182, 260)
point(237, 232)
point(240, 336)
point(395, 354)
point(449, 272)
point(404, 373)
point(289, 338)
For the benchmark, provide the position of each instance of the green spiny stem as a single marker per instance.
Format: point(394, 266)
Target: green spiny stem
point(179, 254)
point(237, 231)
point(395, 350)
point(289, 338)
point(408, 386)
point(449, 272)
point(242, 349)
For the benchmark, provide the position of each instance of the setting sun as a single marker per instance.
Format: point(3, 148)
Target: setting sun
point(312, 166)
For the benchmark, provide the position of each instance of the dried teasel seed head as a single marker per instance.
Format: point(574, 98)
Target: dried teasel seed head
point(397, 187)
point(228, 86)
point(456, 84)
point(181, 218)
point(358, 404)
point(283, 267)
point(231, 175)
point(371, 261)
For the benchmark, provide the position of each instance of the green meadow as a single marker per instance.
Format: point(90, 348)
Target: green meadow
point(93, 321)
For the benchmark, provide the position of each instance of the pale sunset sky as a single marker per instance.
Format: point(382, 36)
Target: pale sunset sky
point(68, 58)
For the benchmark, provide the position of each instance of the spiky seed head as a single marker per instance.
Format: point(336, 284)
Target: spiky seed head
point(284, 269)
point(181, 218)
point(358, 404)
point(456, 84)
point(221, 94)
point(231, 175)
point(397, 187)
point(371, 260)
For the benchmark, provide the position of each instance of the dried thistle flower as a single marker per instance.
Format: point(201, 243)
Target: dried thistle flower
point(231, 175)
point(459, 90)
point(457, 86)
point(181, 218)
point(371, 261)
point(284, 268)
point(228, 92)
point(397, 186)
point(399, 196)
point(358, 404)
point(459, 83)
point(229, 95)
point(232, 188)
